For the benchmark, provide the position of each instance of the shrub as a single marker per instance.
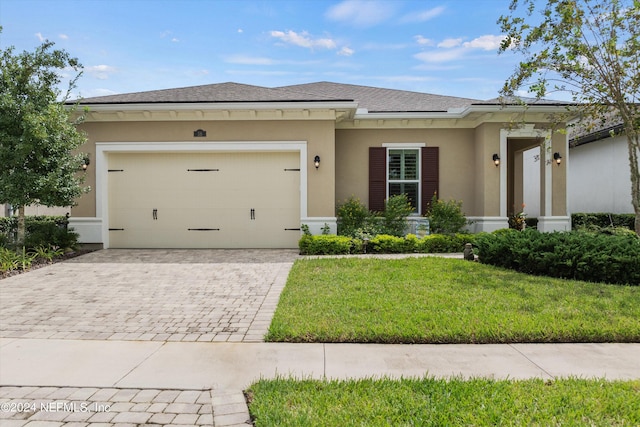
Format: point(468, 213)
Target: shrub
point(352, 215)
point(602, 220)
point(396, 210)
point(574, 255)
point(444, 243)
point(328, 245)
point(387, 244)
point(446, 216)
point(40, 231)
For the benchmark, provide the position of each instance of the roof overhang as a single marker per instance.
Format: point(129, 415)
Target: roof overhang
point(303, 110)
point(465, 117)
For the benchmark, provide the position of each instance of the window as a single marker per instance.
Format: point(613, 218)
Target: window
point(427, 167)
point(404, 175)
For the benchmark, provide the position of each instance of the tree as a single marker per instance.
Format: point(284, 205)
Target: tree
point(37, 135)
point(588, 48)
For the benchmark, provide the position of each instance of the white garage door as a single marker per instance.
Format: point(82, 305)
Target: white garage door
point(204, 200)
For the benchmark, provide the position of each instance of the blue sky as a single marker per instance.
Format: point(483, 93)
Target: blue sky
point(447, 47)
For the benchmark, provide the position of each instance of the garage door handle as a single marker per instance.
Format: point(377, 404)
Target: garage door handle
point(155, 214)
point(253, 214)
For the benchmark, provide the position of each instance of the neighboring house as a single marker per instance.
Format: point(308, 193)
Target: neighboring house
point(237, 166)
point(599, 177)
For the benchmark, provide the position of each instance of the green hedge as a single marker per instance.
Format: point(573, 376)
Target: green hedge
point(40, 230)
point(602, 220)
point(576, 255)
point(383, 244)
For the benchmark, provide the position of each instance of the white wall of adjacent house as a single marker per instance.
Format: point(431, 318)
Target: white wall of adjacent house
point(598, 178)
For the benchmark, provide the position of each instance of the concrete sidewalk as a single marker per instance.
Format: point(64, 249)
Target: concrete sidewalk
point(171, 382)
point(236, 365)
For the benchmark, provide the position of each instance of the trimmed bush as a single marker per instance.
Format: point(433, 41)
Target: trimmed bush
point(352, 216)
point(39, 231)
point(387, 244)
point(384, 244)
point(584, 256)
point(328, 245)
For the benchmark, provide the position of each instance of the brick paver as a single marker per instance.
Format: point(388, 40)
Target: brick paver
point(148, 295)
point(64, 410)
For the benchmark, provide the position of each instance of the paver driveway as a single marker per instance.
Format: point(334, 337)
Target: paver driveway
point(156, 295)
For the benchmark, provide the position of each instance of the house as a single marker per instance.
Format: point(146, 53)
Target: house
point(238, 166)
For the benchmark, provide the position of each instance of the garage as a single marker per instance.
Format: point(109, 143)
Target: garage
point(203, 199)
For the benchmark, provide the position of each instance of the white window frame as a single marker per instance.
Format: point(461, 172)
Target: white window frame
point(416, 146)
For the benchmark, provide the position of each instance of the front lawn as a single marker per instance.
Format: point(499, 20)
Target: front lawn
point(418, 402)
point(438, 300)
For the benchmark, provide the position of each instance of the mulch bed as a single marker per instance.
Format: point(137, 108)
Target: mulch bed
point(38, 263)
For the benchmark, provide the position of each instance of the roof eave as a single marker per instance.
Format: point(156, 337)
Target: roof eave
point(182, 106)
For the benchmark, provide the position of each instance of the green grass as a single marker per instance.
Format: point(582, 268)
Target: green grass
point(420, 402)
point(438, 300)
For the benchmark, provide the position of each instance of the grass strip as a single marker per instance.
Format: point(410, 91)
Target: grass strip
point(439, 300)
point(419, 402)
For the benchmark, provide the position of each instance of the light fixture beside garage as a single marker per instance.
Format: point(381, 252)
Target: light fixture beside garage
point(496, 160)
point(85, 163)
point(316, 161)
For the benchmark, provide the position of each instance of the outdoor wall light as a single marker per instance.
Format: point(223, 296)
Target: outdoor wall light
point(496, 160)
point(85, 163)
point(316, 161)
point(557, 157)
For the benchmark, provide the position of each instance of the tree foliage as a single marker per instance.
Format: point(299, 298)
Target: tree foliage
point(588, 48)
point(37, 136)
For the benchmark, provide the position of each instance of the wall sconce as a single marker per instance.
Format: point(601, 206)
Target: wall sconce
point(496, 160)
point(316, 161)
point(85, 163)
point(557, 157)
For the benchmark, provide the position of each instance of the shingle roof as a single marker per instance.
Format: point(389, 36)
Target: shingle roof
point(377, 99)
point(374, 99)
point(214, 93)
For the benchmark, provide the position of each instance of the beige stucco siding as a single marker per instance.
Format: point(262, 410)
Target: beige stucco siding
point(457, 168)
point(319, 135)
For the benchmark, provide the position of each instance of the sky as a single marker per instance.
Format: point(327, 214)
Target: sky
point(445, 47)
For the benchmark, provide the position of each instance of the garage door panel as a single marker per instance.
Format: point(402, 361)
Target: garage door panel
point(189, 201)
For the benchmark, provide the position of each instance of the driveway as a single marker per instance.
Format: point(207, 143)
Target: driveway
point(148, 295)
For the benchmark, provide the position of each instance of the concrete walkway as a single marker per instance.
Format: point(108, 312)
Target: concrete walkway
point(50, 380)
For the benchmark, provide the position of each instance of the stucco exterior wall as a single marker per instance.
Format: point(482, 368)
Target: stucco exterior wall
point(457, 167)
point(319, 135)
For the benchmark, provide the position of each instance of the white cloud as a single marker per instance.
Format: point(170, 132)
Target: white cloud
point(423, 40)
point(346, 51)
point(440, 55)
point(40, 37)
point(424, 15)
point(449, 43)
point(486, 42)
point(240, 30)
point(361, 13)
point(303, 40)
point(175, 40)
point(63, 36)
point(101, 72)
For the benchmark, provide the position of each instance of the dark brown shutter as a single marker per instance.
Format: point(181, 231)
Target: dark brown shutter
point(377, 178)
point(430, 175)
